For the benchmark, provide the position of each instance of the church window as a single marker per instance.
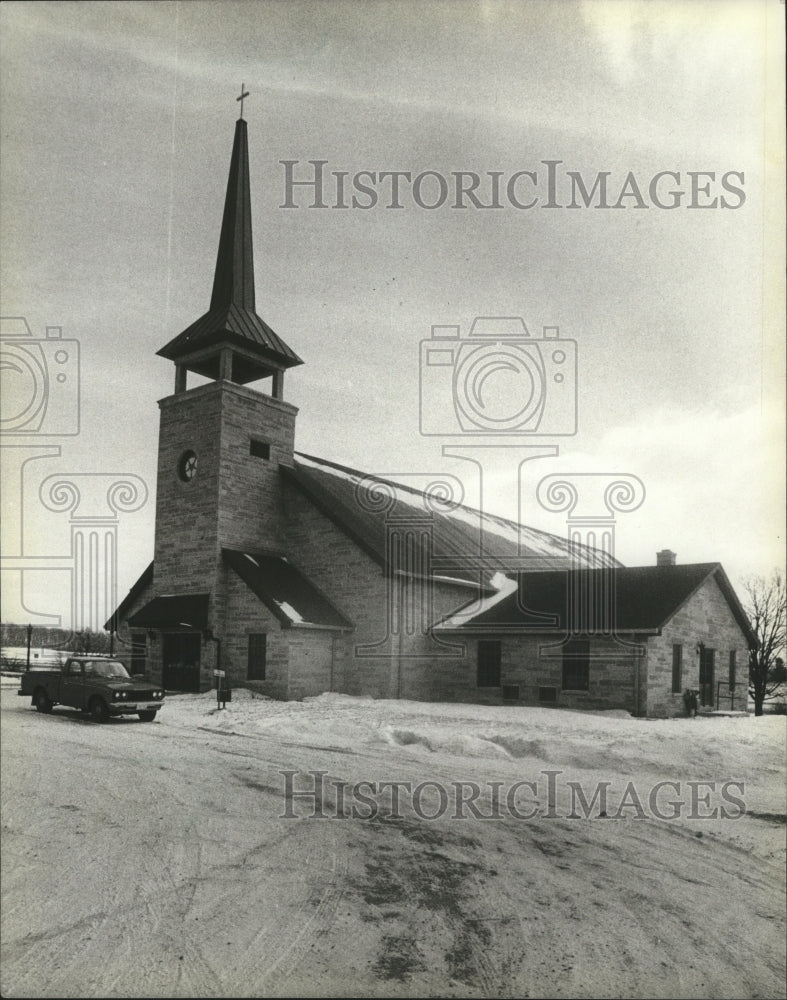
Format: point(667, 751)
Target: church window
point(489, 656)
point(257, 656)
point(576, 665)
point(187, 466)
point(677, 668)
point(259, 449)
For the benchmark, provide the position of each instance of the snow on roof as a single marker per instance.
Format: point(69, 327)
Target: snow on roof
point(464, 540)
point(292, 614)
point(504, 586)
point(285, 591)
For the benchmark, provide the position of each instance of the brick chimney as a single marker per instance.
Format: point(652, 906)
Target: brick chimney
point(665, 558)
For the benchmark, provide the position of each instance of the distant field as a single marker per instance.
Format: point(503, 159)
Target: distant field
point(15, 657)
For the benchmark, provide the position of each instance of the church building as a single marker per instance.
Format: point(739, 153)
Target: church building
point(295, 575)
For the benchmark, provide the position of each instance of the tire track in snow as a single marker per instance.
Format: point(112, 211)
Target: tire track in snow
point(272, 956)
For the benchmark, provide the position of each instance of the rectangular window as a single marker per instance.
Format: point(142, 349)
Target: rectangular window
point(257, 656)
point(548, 695)
point(489, 655)
point(733, 666)
point(138, 653)
point(677, 668)
point(259, 449)
point(707, 675)
point(576, 665)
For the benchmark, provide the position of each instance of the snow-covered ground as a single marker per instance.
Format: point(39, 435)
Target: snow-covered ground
point(158, 859)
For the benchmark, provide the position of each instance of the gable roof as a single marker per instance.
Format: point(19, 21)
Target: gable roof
point(144, 581)
point(285, 591)
point(467, 545)
point(646, 598)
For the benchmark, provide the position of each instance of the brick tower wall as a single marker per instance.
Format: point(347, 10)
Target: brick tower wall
point(234, 501)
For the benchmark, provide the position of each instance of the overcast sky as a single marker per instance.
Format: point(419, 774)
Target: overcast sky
point(117, 124)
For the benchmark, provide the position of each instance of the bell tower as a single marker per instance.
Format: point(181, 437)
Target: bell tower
point(221, 443)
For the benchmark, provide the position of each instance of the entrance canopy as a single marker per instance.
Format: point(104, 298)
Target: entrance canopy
point(182, 611)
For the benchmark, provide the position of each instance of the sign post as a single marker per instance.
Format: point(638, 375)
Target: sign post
point(223, 692)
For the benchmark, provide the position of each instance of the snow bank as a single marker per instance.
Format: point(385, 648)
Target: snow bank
point(723, 746)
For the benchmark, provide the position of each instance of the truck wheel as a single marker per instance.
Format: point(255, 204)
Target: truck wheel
point(41, 701)
point(99, 710)
point(147, 716)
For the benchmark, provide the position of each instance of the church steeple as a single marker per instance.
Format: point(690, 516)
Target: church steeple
point(233, 281)
point(231, 341)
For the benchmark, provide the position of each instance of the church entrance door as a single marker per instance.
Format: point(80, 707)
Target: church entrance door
point(181, 655)
point(707, 664)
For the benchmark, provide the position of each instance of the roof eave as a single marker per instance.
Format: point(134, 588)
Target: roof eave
point(314, 626)
point(144, 580)
point(183, 349)
point(735, 606)
point(470, 628)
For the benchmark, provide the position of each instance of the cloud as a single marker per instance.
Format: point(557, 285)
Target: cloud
point(714, 485)
point(638, 39)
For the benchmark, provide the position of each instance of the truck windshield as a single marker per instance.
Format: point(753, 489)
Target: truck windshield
point(105, 668)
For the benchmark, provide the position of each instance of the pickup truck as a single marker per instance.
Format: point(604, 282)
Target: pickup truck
point(92, 684)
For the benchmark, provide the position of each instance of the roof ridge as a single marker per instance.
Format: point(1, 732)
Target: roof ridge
point(706, 567)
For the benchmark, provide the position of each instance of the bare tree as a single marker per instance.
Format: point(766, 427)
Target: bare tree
point(766, 607)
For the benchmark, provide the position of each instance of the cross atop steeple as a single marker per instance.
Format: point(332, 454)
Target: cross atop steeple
point(243, 94)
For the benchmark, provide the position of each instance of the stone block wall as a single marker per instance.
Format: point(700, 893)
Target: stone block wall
point(311, 662)
point(706, 617)
point(186, 512)
point(616, 675)
point(354, 582)
point(250, 486)
point(234, 501)
point(437, 668)
point(243, 613)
